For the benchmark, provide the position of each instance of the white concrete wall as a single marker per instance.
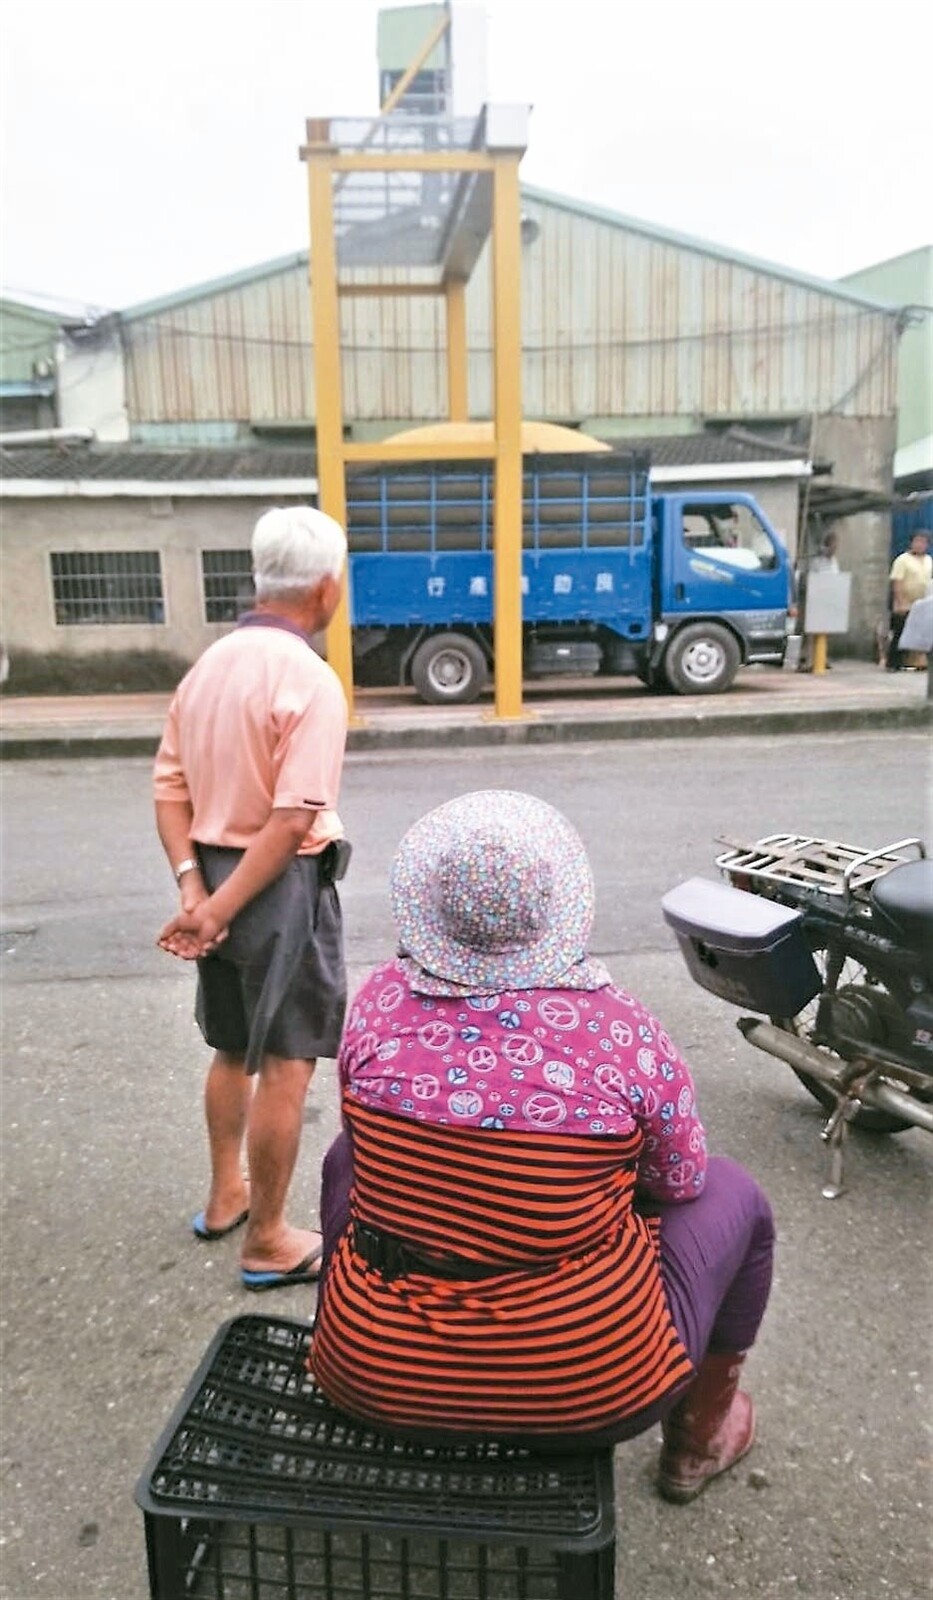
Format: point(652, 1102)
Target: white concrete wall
point(179, 530)
point(91, 381)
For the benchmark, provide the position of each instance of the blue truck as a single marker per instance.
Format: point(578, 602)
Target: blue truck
point(681, 589)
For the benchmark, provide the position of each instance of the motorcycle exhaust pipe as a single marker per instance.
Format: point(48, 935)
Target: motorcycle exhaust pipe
point(798, 1053)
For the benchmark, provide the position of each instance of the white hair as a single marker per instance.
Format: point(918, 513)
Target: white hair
point(295, 547)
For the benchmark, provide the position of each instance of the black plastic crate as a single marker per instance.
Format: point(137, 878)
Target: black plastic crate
point(260, 1490)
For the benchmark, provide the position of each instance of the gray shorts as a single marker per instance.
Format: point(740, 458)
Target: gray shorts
point(277, 985)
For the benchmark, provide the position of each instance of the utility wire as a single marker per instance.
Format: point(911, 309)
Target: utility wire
point(571, 345)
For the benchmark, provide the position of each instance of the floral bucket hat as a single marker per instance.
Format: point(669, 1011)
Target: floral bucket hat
point(493, 891)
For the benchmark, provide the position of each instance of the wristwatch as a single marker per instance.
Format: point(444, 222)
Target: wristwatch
point(188, 865)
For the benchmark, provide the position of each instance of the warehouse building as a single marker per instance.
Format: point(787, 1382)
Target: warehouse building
point(629, 330)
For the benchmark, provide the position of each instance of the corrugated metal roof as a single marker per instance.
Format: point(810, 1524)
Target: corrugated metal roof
point(706, 247)
point(562, 202)
point(124, 463)
point(212, 286)
point(619, 318)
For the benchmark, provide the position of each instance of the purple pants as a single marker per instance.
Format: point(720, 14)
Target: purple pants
point(716, 1259)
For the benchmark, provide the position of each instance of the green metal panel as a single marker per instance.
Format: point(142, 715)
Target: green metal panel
point(401, 34)
point(908, 281)
point(27, 335)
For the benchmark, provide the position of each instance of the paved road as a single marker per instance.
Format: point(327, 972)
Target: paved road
point(108, 1303)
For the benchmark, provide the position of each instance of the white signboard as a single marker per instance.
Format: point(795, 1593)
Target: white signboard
point(827, 602)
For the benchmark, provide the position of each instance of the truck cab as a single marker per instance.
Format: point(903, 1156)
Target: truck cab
point(724, 588)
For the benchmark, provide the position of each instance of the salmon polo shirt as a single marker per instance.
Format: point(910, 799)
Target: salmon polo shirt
point(259, 723)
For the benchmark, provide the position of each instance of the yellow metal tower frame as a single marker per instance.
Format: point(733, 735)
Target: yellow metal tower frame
point(328, 162)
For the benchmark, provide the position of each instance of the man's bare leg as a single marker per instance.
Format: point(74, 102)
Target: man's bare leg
point(228, 1093)
point(273, 1134)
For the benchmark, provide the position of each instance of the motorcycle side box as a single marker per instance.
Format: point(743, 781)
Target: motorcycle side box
point(748, 951)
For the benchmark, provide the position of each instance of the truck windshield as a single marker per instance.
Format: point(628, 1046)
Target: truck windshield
point(731, 533)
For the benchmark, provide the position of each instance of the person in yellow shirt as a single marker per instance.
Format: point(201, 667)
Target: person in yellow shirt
point(911, 577)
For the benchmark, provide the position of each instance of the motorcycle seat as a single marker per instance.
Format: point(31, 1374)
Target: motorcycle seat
point(905, 897)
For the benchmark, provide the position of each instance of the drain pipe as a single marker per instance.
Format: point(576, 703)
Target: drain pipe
point(47, 436)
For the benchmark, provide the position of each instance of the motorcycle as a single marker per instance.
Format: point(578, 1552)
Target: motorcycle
point(834, 945)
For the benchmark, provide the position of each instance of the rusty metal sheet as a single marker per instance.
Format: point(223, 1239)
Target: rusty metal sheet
point(615, 323)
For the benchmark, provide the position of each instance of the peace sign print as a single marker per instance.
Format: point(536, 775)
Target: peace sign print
point(544, 1110)
point(483, 1002)
point(620, 1034)
point(665, 1044)
point(685, 1101)
point(610, 1078)
point(457, 1075)
point(391, 997)
point(470, 1035)
point(365, 1047)
point(559, 1074)
point(465, 1103)
point(696, 1140)
point(482, 1059)
point(647, 1061)
point(436, 1035)
point(522, 1050)
point(424, 1086)
point(558, 1012)
point(390, 1048)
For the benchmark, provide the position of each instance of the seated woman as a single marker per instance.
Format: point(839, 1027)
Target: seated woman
point(524, 1238)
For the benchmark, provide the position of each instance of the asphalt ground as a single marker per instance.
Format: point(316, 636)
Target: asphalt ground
point(108, 1303)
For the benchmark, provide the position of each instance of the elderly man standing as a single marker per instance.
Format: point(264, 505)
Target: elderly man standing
point(246, 785)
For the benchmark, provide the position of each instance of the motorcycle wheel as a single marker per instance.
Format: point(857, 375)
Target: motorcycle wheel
point(802, 1025)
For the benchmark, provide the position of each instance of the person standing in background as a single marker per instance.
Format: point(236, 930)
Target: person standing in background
point(911, 577)
point(246, 784)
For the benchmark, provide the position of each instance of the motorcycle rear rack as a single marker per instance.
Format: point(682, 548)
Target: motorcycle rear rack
point(823, 866)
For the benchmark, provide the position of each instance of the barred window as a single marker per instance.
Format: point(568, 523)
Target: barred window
point(107, 586)
point(228, 584)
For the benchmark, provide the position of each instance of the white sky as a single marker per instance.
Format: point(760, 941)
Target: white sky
point(150, 144)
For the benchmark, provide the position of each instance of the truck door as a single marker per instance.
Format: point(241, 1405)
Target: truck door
point(719, 555)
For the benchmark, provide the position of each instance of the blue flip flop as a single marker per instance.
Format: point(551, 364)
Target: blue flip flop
point(259, 1282)
point(201, 1230)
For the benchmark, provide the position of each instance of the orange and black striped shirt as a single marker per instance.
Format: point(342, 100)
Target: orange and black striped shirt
point(573, 1340)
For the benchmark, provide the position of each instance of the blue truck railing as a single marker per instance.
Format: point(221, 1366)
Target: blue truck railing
point(421, 542)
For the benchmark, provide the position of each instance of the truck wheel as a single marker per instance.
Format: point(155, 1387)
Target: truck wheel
point(448, 669)
point(702, 658)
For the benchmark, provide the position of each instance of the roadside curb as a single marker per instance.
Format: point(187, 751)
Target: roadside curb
point(587, 730)
point(20, 746)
